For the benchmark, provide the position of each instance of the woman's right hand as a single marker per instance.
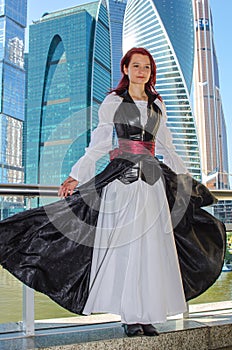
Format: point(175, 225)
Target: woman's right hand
point(67, 187)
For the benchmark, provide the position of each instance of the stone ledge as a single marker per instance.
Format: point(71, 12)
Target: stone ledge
point(198, 332)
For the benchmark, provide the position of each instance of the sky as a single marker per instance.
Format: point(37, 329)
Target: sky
point(221, 11)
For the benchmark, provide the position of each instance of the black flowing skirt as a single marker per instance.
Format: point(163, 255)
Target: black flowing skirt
point(50, 248)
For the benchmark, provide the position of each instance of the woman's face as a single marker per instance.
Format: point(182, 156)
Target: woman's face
point(139, 69)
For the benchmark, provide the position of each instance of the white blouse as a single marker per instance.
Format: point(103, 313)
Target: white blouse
point(101, 140)
point(142, 106)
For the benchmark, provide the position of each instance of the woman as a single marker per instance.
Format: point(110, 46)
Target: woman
point(110, 247)
point(149, 285)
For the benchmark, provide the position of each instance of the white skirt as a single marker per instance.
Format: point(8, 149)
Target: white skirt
point(135, 271)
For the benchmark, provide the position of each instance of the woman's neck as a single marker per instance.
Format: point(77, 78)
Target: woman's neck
point(137, 92)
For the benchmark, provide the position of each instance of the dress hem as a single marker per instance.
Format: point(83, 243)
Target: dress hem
point(137, 321)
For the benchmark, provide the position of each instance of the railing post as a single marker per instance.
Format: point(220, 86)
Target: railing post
point(28, 311)
point(28, 303)
point(186, 313)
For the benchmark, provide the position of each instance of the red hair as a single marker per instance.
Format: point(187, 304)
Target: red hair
point(124, 82)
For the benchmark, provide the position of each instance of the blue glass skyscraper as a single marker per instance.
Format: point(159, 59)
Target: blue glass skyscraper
point(69, 73)
point(13, 17)
point(166, 29)
point(116, 14)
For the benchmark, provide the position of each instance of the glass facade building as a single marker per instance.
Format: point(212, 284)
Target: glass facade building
point(208, 103)
point(13, 17)
point(166, 29)
point(69, 73)
point(116, 12)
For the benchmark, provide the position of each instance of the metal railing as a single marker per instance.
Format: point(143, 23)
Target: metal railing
point(222, 194)
point(28, 190)
point(31, 191)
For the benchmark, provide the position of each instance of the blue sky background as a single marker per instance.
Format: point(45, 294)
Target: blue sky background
point(221, 10)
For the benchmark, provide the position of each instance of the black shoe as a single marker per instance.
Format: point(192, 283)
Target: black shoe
point(149, 329)
point(133, 330)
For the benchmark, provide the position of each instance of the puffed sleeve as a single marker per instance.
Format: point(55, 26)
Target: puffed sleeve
point(101, 141)
point(165, 147)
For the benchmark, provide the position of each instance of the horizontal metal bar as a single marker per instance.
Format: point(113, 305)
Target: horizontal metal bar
point(28, 190)
point(222, 194)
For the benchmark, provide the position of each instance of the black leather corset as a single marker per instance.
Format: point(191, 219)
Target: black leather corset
point(127, 121)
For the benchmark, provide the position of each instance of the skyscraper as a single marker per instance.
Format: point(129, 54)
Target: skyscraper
point(116, 14)
point(69, 73)
point(208, 104)
point(165, 28)
point(13, 17)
